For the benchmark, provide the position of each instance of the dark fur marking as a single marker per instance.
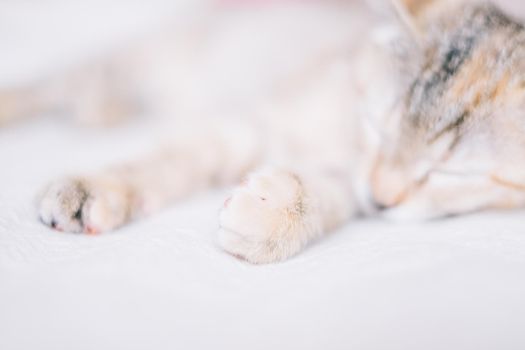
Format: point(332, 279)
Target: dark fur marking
point(83, 194)
point(455, 55)
point(78, 215)
point(454, 125)
point(446, 57)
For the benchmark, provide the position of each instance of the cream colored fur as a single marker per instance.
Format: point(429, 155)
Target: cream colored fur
point(319, 123)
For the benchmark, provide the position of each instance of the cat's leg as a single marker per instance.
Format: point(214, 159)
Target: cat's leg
point(113, 197)
point(276, 212)
point(102, 92)
point(16, 103)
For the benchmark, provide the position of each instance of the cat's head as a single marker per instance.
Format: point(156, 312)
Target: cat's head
point(456, 140)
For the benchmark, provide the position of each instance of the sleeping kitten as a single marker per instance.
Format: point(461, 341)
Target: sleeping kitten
point(423, 120)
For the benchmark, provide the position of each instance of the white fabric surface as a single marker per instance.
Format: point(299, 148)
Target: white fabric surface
point(162, 284)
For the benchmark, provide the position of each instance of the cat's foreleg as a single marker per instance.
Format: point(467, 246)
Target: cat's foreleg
point(275, 212)
point(111, 198)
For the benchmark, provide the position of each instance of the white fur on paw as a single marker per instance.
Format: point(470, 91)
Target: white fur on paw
point(267, 219)
point(74, 205)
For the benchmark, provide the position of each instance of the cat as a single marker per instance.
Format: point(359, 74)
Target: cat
point(422, 119)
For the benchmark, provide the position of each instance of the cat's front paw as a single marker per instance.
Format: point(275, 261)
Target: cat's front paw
point(79, 205)
point(268, 218)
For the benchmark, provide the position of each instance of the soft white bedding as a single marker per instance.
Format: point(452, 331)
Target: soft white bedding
point(162, 284)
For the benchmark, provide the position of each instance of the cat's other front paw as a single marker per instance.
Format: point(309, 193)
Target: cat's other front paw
point(268, 218)
point(80, 205)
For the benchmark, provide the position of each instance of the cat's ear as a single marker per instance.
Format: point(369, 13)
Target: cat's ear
point(416, 15)
point(412, 8)
point(412, 12)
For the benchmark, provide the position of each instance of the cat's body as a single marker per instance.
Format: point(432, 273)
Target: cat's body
point(423, 118)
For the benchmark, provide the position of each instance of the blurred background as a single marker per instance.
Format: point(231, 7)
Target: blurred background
point(41, 35)
point(203, 56)
point(249, 42)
